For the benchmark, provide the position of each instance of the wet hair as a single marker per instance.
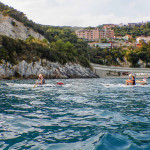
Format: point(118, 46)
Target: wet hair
point(40, 75)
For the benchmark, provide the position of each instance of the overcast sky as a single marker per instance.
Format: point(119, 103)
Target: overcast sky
point(83, 12)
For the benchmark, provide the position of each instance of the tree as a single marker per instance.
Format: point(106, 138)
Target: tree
point(132, 57)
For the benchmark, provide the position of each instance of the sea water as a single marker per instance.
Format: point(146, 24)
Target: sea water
point(81, 114)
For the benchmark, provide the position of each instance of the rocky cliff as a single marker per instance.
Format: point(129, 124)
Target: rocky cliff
point(15, 29)
point(48, 69)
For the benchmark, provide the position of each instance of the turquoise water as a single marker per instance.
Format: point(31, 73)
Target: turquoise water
point(82, 114)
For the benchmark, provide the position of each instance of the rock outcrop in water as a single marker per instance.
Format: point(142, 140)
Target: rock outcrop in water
point(48, 69)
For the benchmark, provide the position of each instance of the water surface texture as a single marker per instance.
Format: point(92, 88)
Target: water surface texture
point(81, 114)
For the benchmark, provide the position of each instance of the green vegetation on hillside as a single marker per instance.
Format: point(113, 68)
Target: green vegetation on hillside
point(32, 50)
point(134, 31)
point(133, 55)
point(60, 43)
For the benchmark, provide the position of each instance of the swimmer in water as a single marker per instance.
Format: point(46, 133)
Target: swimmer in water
point(131, 81)
point(41, 79)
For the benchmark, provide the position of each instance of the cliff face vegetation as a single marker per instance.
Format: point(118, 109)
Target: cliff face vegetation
point(22, 39)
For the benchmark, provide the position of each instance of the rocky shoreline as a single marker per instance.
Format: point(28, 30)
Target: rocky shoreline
point(49, 69)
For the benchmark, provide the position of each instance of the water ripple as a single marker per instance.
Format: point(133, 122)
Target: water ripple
point(92, 114)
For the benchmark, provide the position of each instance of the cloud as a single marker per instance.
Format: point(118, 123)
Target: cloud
point(83, 12)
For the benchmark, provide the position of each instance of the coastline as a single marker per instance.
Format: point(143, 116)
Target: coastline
point(50, 70)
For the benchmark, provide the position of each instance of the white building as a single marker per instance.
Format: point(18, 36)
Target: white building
point(145, 38)
point(103, 45)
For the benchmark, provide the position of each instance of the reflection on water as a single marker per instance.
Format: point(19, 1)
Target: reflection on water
point(87, 114)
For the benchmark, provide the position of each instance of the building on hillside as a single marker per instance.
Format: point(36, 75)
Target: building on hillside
point(136, 24)
point(89, 35)
point(132, 24)
point(127, 37)
point(122, 44)
point(95, 34)
point(109, 34)
point(103, 45)
point(118, 37)
point(145, 38)
point(107, 26)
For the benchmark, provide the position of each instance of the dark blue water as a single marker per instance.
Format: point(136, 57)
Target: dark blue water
point(83, 114)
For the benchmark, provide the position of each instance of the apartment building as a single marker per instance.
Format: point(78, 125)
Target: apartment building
point(95, 34)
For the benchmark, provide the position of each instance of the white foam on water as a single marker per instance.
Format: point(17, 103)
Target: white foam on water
point(22, 106)
point(67, 85)
point(46, 85)
point(20, 85)
point(35, 86)
point(37, 115)
point(37, 103)
point(123, 85)
point(22, 96)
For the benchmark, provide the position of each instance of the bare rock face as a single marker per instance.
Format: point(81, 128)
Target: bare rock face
point(49, 70)
point(6, 70)
point(15, 29)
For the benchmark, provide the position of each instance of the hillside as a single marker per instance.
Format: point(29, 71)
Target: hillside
point(14, 29)
point(23, 42)
point(52, 43)
point(134, 31)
